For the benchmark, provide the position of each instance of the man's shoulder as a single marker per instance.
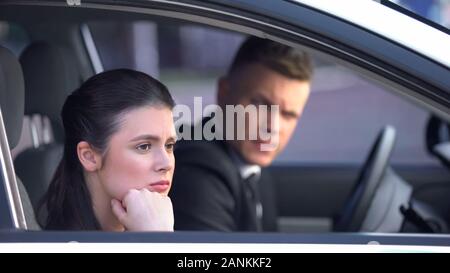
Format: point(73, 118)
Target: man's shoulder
point(208, 155)
point(203, 160)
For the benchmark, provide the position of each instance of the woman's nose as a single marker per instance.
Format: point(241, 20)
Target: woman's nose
point(163, 161)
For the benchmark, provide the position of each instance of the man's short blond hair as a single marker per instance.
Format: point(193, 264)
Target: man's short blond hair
point(288, 61)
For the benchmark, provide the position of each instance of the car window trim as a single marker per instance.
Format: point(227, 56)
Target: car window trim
point(418, 17)
point(201, 237)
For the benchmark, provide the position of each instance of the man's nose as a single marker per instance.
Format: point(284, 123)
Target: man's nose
point(269, 120)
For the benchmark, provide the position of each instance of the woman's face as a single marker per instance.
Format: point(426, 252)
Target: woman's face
point(140, 154)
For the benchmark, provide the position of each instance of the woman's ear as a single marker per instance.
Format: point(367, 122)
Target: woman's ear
point(89, 158)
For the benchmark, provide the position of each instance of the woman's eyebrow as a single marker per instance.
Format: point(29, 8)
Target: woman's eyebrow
point(152, 137)
point(172, 139)
point(146, 137)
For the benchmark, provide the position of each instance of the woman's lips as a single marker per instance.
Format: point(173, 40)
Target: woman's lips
point(160, 186)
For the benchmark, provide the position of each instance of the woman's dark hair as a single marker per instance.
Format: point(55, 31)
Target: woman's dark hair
point(91, 114)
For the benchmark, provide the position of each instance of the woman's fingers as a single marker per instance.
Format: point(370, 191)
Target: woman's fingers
point(167, 206)
point(118, 210)
point(145, 211)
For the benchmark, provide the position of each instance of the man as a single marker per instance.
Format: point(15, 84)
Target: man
point(219, 185)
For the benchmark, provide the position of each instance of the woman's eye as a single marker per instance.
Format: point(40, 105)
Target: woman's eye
point(143, 147)
point(170, 146)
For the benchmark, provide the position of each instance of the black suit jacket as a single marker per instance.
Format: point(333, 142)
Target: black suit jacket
point(208, 192)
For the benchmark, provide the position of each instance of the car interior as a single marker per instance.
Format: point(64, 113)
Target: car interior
point(363, 158)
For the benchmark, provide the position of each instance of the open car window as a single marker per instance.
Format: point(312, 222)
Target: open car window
point(357, 92)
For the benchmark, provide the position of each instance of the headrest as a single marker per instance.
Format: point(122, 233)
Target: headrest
point(11, 95)
point(50, 76)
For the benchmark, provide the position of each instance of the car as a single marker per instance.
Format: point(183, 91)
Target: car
point(368, 164)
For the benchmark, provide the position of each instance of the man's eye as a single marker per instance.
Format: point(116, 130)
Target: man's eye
point(289, 116)
point(256, 101)
point(143, 147)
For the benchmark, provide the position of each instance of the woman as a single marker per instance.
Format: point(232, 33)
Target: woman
point(118, 159)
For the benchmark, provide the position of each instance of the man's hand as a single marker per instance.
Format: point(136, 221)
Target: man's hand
point(142, 210)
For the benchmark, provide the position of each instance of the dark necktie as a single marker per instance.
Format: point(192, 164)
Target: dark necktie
point(254, 195)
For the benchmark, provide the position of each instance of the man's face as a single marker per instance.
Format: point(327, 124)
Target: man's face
point(256, 84)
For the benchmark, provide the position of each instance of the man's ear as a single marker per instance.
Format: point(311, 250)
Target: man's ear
point(223, 93)
point(89, 158)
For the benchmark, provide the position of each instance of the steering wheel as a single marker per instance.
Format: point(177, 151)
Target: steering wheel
point(357, 205)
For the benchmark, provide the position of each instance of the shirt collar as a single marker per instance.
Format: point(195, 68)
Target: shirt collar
point(245, 169)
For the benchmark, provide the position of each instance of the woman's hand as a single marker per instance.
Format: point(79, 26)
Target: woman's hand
point(143, 210)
